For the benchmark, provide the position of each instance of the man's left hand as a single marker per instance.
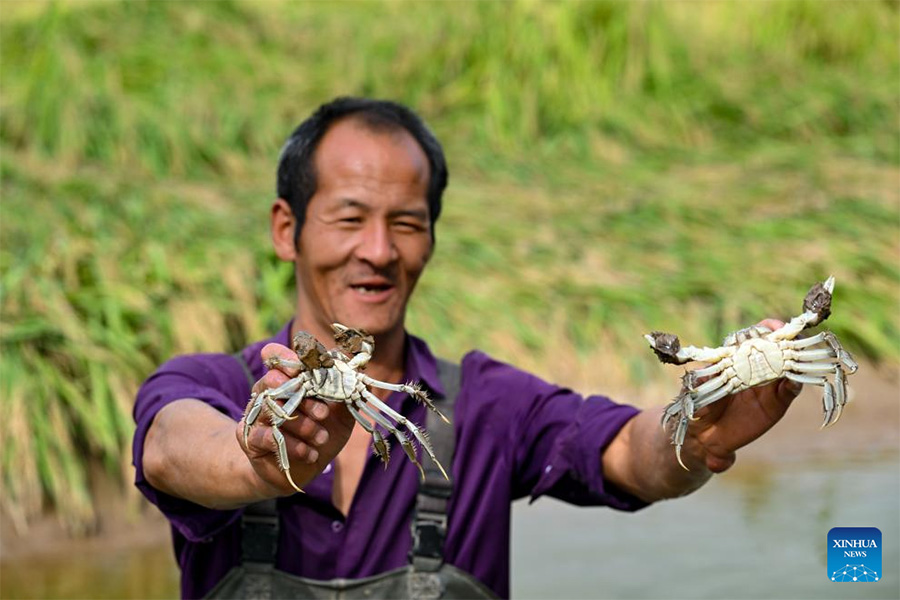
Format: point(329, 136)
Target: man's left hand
point(738, 419)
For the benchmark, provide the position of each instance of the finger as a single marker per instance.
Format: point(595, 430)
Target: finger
point(772, 324)
point(719, 464)
point(261, 444)
point(270, 380)
point(307, 430)
point(271, 351)
point(315, 409)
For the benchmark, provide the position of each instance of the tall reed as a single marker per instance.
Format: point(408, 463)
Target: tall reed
point(617, 167)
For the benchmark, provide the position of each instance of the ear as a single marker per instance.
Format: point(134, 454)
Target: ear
point(282, 223)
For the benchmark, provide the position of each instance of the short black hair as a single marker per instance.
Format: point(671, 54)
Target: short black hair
point(296, 181)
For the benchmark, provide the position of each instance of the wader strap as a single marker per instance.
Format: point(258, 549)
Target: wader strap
point(239, 356)
point(259, 525)
point(429, 526)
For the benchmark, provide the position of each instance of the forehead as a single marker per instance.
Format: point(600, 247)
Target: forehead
point(352, 153)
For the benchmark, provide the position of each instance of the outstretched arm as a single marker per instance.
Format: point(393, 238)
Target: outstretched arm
point(641, 459)
point(195, 452)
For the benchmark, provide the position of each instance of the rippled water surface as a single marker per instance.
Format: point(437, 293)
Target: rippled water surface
point(758, 531)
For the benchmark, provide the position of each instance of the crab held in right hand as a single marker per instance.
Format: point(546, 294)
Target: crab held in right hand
point(758, 355)
point(336, 376)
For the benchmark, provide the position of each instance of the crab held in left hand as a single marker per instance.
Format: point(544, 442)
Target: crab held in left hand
point(758, 355)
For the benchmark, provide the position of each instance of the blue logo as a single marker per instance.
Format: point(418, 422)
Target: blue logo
point(854, 554)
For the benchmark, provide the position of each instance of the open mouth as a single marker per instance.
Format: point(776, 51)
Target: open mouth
point(372, 288)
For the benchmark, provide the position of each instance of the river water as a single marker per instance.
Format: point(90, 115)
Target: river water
point(759, 532)
point(756, 532)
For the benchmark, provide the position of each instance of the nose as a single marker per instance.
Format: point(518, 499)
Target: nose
point(376, 245)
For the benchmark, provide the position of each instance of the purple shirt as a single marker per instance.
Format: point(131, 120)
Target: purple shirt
point(516, 436)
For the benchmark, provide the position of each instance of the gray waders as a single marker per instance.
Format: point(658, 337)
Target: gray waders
point(426, 576)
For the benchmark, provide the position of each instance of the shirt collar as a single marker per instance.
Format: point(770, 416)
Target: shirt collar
point(421, 365)
point(283, 337)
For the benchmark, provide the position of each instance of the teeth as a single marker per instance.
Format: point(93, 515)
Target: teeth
point(368, 290)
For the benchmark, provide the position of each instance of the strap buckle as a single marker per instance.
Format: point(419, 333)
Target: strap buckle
point(260, 538)
point(429, 530)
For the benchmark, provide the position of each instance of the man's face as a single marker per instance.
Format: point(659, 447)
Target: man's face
point(366, 238)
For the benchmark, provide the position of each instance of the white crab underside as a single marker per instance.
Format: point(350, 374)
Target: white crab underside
point(758, 355)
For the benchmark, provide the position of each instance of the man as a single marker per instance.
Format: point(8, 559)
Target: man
point(359, 186)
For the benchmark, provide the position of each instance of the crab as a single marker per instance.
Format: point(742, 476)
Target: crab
point(335, 376)
point(758, 355)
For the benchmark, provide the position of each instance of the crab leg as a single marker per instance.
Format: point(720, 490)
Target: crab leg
point(810, 355)
point(276, 361)
point(693, 353)
point(804, 342)
point(283, 462)
point(714, 396)
point(813, 379)
point(401, 420)
point(266, 398)
point(709, 386)
point(828, 403)
point(680, 433)
point(382, 449)
point(404, 441)
point(686, 405)
point(713, 369)
point(673, 408)
point(381, 446)
point(408, 388)
point(842, 354)
point(840, 392)
point(294, 401)
point(808, 367)
point(253, 409)
point(795, 326)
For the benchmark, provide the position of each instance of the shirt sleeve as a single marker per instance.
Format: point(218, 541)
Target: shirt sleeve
point(556, 437)
point(215, 379)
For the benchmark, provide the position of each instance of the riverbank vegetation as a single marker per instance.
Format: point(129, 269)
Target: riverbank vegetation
point(615, 168)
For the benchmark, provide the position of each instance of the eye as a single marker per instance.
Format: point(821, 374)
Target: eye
point(410, 225)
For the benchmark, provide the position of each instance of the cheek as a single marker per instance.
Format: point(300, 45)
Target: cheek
point(323, 252)
point(419, 255)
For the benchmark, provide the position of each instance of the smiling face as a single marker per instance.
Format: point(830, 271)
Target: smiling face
point(366, 238)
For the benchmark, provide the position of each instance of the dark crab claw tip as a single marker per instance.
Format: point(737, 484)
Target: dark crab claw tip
point(818, 299)
point(665, 345)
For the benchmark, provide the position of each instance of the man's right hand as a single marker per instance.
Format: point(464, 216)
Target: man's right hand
point(317, 434)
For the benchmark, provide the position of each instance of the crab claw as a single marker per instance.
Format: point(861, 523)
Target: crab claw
point(665, 345)
point(818, 300)
point(353, 341)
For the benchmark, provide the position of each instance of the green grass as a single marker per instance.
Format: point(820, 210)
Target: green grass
point(615, 168)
